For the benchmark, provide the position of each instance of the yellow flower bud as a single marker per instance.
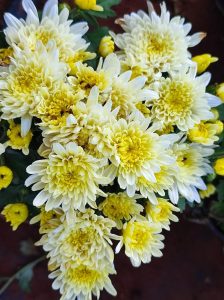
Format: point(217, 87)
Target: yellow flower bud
point(215, 113)
point(6, 177)
point(208, 192)
point(219, 124)
point(16, 214)
point(219, 166)
point(88, 5)
point(220, 91)
point(203, 61)
point(106, 46)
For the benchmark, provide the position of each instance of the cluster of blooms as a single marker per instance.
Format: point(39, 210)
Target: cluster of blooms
point(121, 143)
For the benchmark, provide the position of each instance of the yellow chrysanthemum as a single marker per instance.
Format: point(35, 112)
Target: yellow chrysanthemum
point(204, 133)
point(106, 46)
point(82, 281)
point(219, 166)
point(28, 73)
point(16, 214)
point(6, 177)
point(119, 207)
point(88, 5)
point(210, 190)
point(162, 213)
point(203, 61)
point(69, 177)
point(220, 91)
point(5, 56)
point(16, 141)
point(84, 239)
point(53, 26)
point(142, 240)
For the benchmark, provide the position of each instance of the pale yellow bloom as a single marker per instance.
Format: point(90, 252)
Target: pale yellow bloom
point(142, 240)
point(79, 56)
point(211, 189)
point(16, 141)
point(203, 61)
point(219, 166)
point(119, 207)
point(162, 212)
point(204, 133)
point(220, 91)
point(88, 5)
point(16, 214)
point(6, 177)
point(106, 46)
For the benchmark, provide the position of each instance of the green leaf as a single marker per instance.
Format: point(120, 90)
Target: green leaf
point(181, 204)
point(220, 109)
point(25, 277)
point(220, 190)
point(95, 37)
point(3, 43)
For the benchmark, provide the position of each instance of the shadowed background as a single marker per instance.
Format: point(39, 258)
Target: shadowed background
point(192, 267)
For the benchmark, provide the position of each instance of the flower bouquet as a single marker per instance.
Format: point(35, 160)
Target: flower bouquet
point(103, 135)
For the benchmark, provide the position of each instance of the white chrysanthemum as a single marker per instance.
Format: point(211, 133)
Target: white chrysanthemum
point(68, 178)
point(52, 26)
point(154, 43)
point(192, 163)
point(142, 240)
point(137, 152)
point(183, 100)
point(84, 239)
point(23, 79)
point(164, 181)
point(119, 207)
point(80, 282)
point(162, 213)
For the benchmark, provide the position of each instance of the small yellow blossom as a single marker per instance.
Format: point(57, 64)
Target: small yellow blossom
point(162, 213)
point(16, 141)
point(106, 46)
point(120, 207)
point(220, 91)
point(5, 55)
point(88, 5)
point(208, 192)
point(204, 133)
point(219, 126)
point(203, 61)
point(6, 177)
point(79, 56)
point(16, 214)
point(215, 114)
point(219, 166)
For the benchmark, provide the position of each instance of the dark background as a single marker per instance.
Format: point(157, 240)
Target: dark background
point(192, 267)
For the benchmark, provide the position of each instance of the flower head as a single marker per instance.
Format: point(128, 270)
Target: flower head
point(106, 46)
point(203, 61)
point(204, 133)
point(142, 240)
point(219, 166)
point(88, 5)
point(162, 213)
point(119, 207)
point(69, 177)
point(6, 177)
point(210, 190)
point(16, 214)
point(16, 141)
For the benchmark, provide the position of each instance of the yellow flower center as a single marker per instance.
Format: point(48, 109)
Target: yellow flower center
point(16, 214)
point(6, 177)
point(84, 277)
point(16, 141)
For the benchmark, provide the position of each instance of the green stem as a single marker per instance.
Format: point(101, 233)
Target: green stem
point(16, 275)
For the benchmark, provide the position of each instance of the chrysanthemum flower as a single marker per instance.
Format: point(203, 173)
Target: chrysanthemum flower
point(142, 240)
point(52, 27)
point(84, 239)
point(119, 207)
point(183, 100)
point(162, 213)
point(219, 166)
point(69, 177)
point(210, 190)
point(23, 79)
point(16, 214)
point(204, 133)
point(16, 141)
point(80, 282)
point(155, 43)
point(137, 152)
point(192, 163)
point(6, 177)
